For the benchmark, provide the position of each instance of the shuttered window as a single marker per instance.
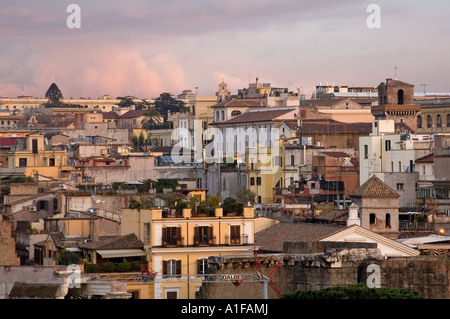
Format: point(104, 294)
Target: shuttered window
point(172, 267)
point(171, 236)
point(203, 235)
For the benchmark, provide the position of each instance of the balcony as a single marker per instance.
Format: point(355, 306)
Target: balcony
point(173, 241)
point(236, 240)
point(204, 240)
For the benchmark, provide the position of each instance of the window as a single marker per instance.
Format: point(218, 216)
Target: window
point(203, 235)
point(171, 294)
point(146, 233)
point(400, 97)
point(438, 120)
point(252, 181)
point(51, 162)
point(42, 205)
point(202, 265)
point(429, 121)
point(34, 146)
point(235, 113)
point(366, 151)
point(448, 120)
point(172, 267)
point(400, 186)
point(419, 121)
point(22, 162)
point(388, 145)
point(292, 160)
point(235, 234)
point(372, 219)
point(388, 221)
point(258, 181)
point(171, 236)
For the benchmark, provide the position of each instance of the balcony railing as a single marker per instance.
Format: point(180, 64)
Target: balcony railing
point(415, 225)
point(173, 241)
point(204, 241)
point(236, 240)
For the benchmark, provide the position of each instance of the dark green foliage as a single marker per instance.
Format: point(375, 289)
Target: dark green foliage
point(151, 118)
point(180, 206)
point(231, 205)
point(54, 94)
point(67, 258)
point(167, 103)
point(136, 204)
point(165, 183)
point(245, 195)
point(357, 291)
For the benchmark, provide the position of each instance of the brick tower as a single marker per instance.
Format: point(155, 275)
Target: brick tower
point(396, 101)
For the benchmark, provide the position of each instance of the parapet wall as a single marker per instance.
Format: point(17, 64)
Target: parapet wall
point(336, 267)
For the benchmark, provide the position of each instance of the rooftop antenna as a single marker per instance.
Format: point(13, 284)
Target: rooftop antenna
point(424, 87)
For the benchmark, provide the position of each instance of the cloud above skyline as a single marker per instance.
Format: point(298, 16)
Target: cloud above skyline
point(144, 48)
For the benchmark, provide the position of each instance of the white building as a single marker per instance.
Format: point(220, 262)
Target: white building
point(391, 157)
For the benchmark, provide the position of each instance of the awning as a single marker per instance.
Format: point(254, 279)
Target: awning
point(121, 253)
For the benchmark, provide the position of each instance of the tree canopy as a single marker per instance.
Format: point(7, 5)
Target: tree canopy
point(53, 94)
point(356, 291)
point(167, 103)
point(151, 117)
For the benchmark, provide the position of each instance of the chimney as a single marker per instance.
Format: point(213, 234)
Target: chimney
point(78, 120)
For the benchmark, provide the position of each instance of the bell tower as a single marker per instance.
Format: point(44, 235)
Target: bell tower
point(223, 94)
point(396, 102)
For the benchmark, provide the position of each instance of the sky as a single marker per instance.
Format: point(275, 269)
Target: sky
point(146, 47)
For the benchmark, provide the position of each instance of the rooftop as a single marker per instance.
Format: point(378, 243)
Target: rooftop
point(262, 115)
point(272, 238)
point(374, 187)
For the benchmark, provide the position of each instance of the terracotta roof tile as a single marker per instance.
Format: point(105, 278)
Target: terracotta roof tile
point(114, 242)
point(374, 187)
point(132, 114)
point(272, 238)
point(256, 116)
point(255, 102)
point(426, 159)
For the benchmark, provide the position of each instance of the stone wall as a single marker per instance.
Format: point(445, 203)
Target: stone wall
point(425, 274)
point(11, 274)
point(8, 255)
point(336, 267)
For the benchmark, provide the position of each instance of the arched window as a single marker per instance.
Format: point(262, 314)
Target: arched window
point(429, 121)
point(388, 221)
point(438, 120)
point(372, 219)
point(217, 116)
point(235, 113)
point(223, 115)
point(419, 121)
point(400, 96)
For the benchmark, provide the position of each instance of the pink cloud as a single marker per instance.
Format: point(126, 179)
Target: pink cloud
point(117, 72)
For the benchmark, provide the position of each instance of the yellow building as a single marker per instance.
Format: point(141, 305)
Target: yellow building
point(35, 157)
point(178, 247)
point(264, 171)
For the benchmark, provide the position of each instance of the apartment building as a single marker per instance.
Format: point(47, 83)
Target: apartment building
point(178, 245)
